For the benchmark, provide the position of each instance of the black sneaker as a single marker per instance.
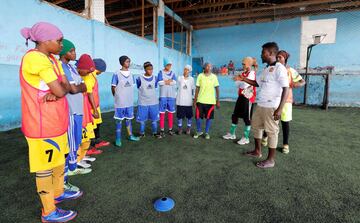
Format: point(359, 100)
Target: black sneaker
point(141, 135)
point(171, 132)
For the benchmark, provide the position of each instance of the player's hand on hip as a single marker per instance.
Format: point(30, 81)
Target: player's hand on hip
point(96, 114)
point(49, 97)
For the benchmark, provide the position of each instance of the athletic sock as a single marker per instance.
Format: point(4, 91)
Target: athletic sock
point(232, 129)
point(142, 128)
point(66, 178)
point(198, 125)
point(170, 120)
point(180, 122)
point(118, 131)
point(189, 123)
point(45, 189)
point(247, 129)
point(154, 127)
point(208, 124)
point(82, 150)
point(128, 126)
point(58, 180)
point(162, 121)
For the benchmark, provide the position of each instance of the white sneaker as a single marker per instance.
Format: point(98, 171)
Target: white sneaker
point(83, 164)
point(90, 159)
point(229, 136)
point(243, 141)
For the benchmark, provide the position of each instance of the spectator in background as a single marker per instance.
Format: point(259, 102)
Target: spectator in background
point(231, 68)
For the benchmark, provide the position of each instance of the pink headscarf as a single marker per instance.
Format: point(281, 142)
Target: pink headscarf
point(41, 31)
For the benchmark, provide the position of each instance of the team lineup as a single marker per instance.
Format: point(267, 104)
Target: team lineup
point(61, 115)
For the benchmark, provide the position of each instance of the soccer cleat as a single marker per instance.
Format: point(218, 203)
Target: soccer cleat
point(243, 141)
point(69, 186)
point(207, 136)
point(118, 143)
point(162, 134)
point(83, 164)
point(90, 159)
point(101, 144)
point(229, 136)
point(68, 195)
point(93, 151)
point(264, 141)
point(180, 131)
point(157, 135)
point(58, 215)
point(79, 171)
point(171, 132)
point(197, 134)
point(285, 149)
point(134, 138)
point(188, 131)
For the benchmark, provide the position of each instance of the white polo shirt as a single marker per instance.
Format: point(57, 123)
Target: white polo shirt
point(271, 81)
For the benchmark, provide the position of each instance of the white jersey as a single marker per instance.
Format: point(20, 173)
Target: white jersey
point(186, 87)
point(271, 81)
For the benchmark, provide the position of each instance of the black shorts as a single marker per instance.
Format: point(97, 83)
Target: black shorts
point(205, 111)
point(184, 112)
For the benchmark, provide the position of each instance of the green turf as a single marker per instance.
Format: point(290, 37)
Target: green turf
point(210, 180)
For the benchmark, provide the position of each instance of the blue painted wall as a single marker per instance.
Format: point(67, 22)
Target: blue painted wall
point(89, 36)
point(219, 45)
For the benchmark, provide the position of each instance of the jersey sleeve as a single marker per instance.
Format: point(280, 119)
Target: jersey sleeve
point(252, 75)
point(89, 82)
point(296, 77)
point(39, 64)
point(115, 80)
point(138, 82)
point(216, 81)
point(198, 81)
point(282, 76)
point(160, 80)
point(67, 73)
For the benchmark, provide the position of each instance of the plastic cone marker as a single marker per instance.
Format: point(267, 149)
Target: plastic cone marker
point(164, 204)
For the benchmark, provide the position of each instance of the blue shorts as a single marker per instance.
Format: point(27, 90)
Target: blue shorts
point(150, 112)
point(124, 113)
point(167, 105)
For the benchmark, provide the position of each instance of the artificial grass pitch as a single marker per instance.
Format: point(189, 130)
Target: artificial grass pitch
point(210, 181)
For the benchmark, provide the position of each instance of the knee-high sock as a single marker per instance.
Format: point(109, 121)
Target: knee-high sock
point(233, 129)
point(45, 189)
point(142, 127)
point(66, 169)
point(286, 132)
point(128, 126)
point(154, 127)
point(162, 121)
point(189, 122)
point(180, 122)
point(247, 129)
point(198, 124)
point(170, 120)
point(82, 150)
point(58, 180)
point(208, 124)
point(118, 131)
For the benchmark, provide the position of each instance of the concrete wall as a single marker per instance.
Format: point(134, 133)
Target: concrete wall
point(219, 45)
point(89, 36)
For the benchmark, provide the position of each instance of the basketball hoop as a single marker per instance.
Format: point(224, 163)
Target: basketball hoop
point(318, 38)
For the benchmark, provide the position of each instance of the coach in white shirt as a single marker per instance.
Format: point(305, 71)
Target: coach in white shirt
point(274, 87)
